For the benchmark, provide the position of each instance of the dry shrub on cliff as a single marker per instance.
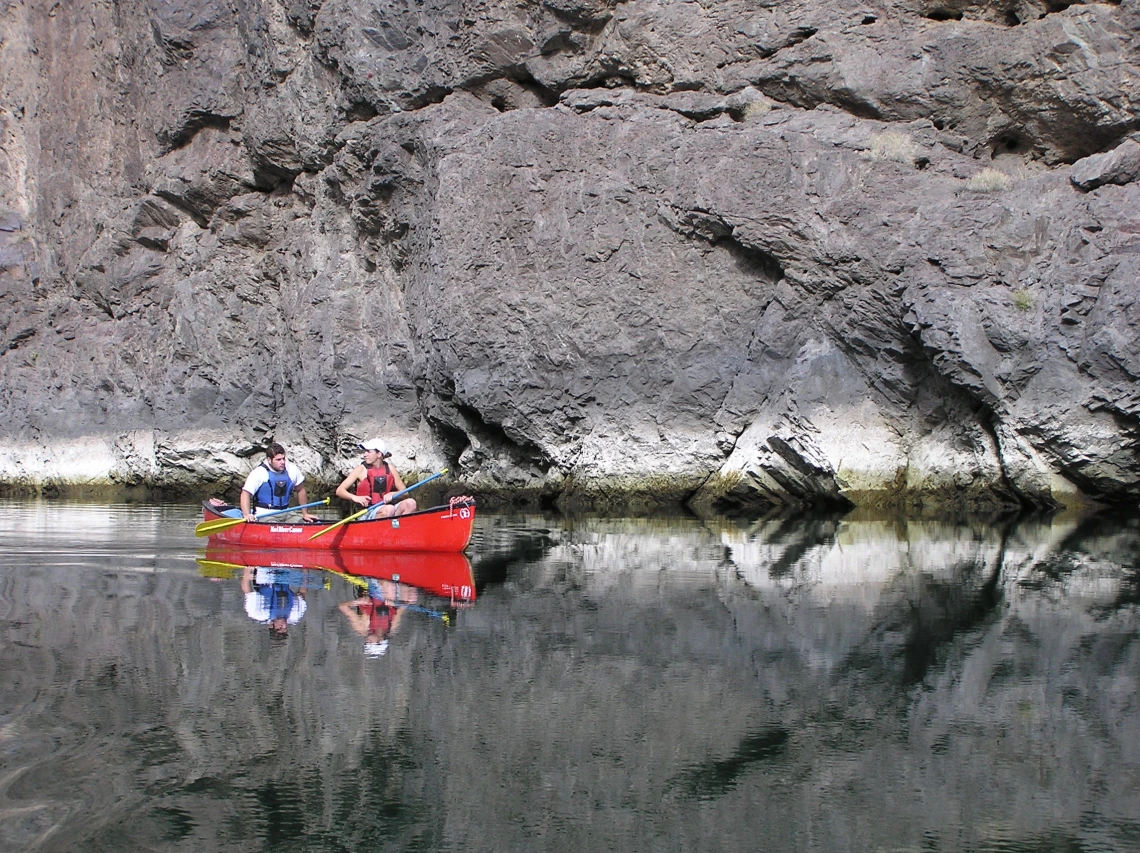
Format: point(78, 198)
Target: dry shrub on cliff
point(989, 181)
point(755, 109)
point(897, 147)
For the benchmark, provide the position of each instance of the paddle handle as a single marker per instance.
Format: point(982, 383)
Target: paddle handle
point(292, 509)
point(352, 517)
point(399, 495)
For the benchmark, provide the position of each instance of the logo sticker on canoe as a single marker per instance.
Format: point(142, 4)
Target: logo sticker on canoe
point(280, 528)
point(395, 522)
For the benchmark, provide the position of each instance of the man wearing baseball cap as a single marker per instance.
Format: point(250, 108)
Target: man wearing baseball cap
point(374, 482)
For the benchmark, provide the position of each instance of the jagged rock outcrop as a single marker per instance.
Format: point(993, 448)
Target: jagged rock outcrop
point(743, 253)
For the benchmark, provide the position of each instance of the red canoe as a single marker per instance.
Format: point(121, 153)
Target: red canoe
point(441, 528)
point(446, 574)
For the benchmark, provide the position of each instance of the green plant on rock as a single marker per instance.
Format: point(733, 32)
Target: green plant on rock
point(724, 483)
point(1022, 300)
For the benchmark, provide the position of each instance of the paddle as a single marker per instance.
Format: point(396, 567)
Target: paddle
point(220, 570)
point(394, 497)
point(214, 525)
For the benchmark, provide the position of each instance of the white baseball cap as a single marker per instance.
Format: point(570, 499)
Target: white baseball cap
point(374, 444)
point(375, 650)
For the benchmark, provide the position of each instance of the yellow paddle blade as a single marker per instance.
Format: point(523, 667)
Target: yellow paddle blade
point(361, 582)
point(217, 569)
point(214, 525)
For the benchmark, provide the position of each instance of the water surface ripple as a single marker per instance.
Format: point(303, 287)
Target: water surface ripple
point(604, 684)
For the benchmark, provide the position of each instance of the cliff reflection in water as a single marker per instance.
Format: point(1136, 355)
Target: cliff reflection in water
point(637, 684)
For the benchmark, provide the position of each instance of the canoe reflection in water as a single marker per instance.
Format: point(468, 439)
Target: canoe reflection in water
point(388, 585)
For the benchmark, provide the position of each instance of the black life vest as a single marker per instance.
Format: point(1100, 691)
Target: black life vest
point(377, 483)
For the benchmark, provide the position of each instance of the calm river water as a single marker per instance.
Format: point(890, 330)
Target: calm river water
point(596, 684)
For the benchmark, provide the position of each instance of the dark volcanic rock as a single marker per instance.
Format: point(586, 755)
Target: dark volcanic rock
point(1121, 165)
point(736, 253)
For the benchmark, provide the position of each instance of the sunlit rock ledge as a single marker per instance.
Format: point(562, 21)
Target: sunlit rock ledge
point(856, 466)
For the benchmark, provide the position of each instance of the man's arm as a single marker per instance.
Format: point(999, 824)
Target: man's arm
point(251, 485)
point(303, 498)
point(298, 481)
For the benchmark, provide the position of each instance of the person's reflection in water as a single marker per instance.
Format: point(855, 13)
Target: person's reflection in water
point(376, 614)
point(274, 597)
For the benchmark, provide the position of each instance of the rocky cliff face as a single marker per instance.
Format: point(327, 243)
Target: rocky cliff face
point(740, 252)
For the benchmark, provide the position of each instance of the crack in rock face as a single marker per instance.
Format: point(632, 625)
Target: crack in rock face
point(734, 254)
